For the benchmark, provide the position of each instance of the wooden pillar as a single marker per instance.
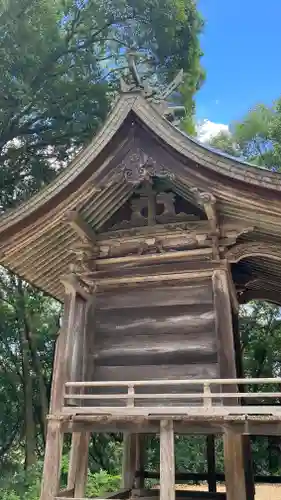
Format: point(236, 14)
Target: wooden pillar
point(129, 460)
point(58, 379)
point(236, 487)
point(211, 461)
point(224, 327)
point(249, 470)
point(140, 460)
point(52, 461)
point(167, 460)
point(68, 362)
point(78, 464)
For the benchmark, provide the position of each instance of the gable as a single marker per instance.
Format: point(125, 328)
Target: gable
point(154, 202)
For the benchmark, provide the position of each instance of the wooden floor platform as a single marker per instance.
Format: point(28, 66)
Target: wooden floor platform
point(259, 425)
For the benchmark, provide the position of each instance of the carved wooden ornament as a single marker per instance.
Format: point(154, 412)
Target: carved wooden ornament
point(137, 167)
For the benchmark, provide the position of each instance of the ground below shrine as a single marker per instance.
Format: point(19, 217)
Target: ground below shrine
point(263, 491)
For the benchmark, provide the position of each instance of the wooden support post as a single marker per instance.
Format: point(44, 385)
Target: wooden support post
point(211, 461)
point(140, 460)
point(224, 324)
point(129, 460)
point(249, 471)
point(234, 466)
point(74, 451)
point(167, 460)
point(224, 330)
point(52, 462)
point(78, 465)
point(59, 371)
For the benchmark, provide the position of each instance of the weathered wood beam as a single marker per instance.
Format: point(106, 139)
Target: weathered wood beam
point(156, 278)
point(167, 460)
point(211, 463)
point(234, 467)
point(80, 226)
point(129, 463)
point(249, 470)
point(59, 373)
point(140, 460)
point(203, 476)
point(208, 201)
point(81, 464)
point(73, 460)
point(224, 327)
point(72, 283)
point(52, 461)
point(232, 289)
point(266, 425)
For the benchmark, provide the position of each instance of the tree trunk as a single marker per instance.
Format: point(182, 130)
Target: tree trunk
point(30, 431)
point(30, 438)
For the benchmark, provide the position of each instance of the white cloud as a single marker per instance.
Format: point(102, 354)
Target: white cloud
point(206, 130)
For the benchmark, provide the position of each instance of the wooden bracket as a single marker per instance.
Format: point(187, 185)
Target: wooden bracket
point(80, 226)
point(72, 283)
point(208, 201)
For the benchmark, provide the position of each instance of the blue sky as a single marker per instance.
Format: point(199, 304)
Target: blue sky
point(242, 47)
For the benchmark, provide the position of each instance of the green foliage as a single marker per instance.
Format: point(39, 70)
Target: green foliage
point(260, 327)
point(275, 132)
point(60, 65)
point(252, 138)
point(102, 482)
point(225, 142)
point(60, 62)
point(26, 486)
point(253, 135)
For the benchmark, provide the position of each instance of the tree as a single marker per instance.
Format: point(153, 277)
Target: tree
point(251, 138)
point(60, 64)
point(260, 328)
point(225, 142)
point(29, 325)
point(60, 61)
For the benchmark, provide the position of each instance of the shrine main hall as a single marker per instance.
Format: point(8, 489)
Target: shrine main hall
point(151, 241)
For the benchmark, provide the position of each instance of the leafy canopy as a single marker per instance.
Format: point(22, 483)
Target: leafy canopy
point(60, 62)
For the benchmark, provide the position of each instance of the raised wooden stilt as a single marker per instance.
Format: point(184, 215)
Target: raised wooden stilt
point(211, 461)
point(140, 460)
point(129, 460)
point(249, 471)
point(52, 462)
point(234, 466)
point(167, 460)
point(78, 464)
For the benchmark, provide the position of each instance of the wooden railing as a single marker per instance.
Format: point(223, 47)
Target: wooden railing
point(207, 397)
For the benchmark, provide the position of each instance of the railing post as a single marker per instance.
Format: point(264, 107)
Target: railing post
point(207, 400)
point(131, 396)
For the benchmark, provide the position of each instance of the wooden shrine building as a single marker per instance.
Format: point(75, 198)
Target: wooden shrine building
point(151, 241)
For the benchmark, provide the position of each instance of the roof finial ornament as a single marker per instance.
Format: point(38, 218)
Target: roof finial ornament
point(151, 93)
point(135, 82)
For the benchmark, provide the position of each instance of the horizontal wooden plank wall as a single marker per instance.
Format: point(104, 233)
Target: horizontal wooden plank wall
point(155, 332)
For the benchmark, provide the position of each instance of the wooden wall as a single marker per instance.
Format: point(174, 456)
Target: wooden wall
point(155, 332)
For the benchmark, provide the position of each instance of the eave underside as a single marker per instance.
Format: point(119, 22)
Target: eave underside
point(40, 251)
